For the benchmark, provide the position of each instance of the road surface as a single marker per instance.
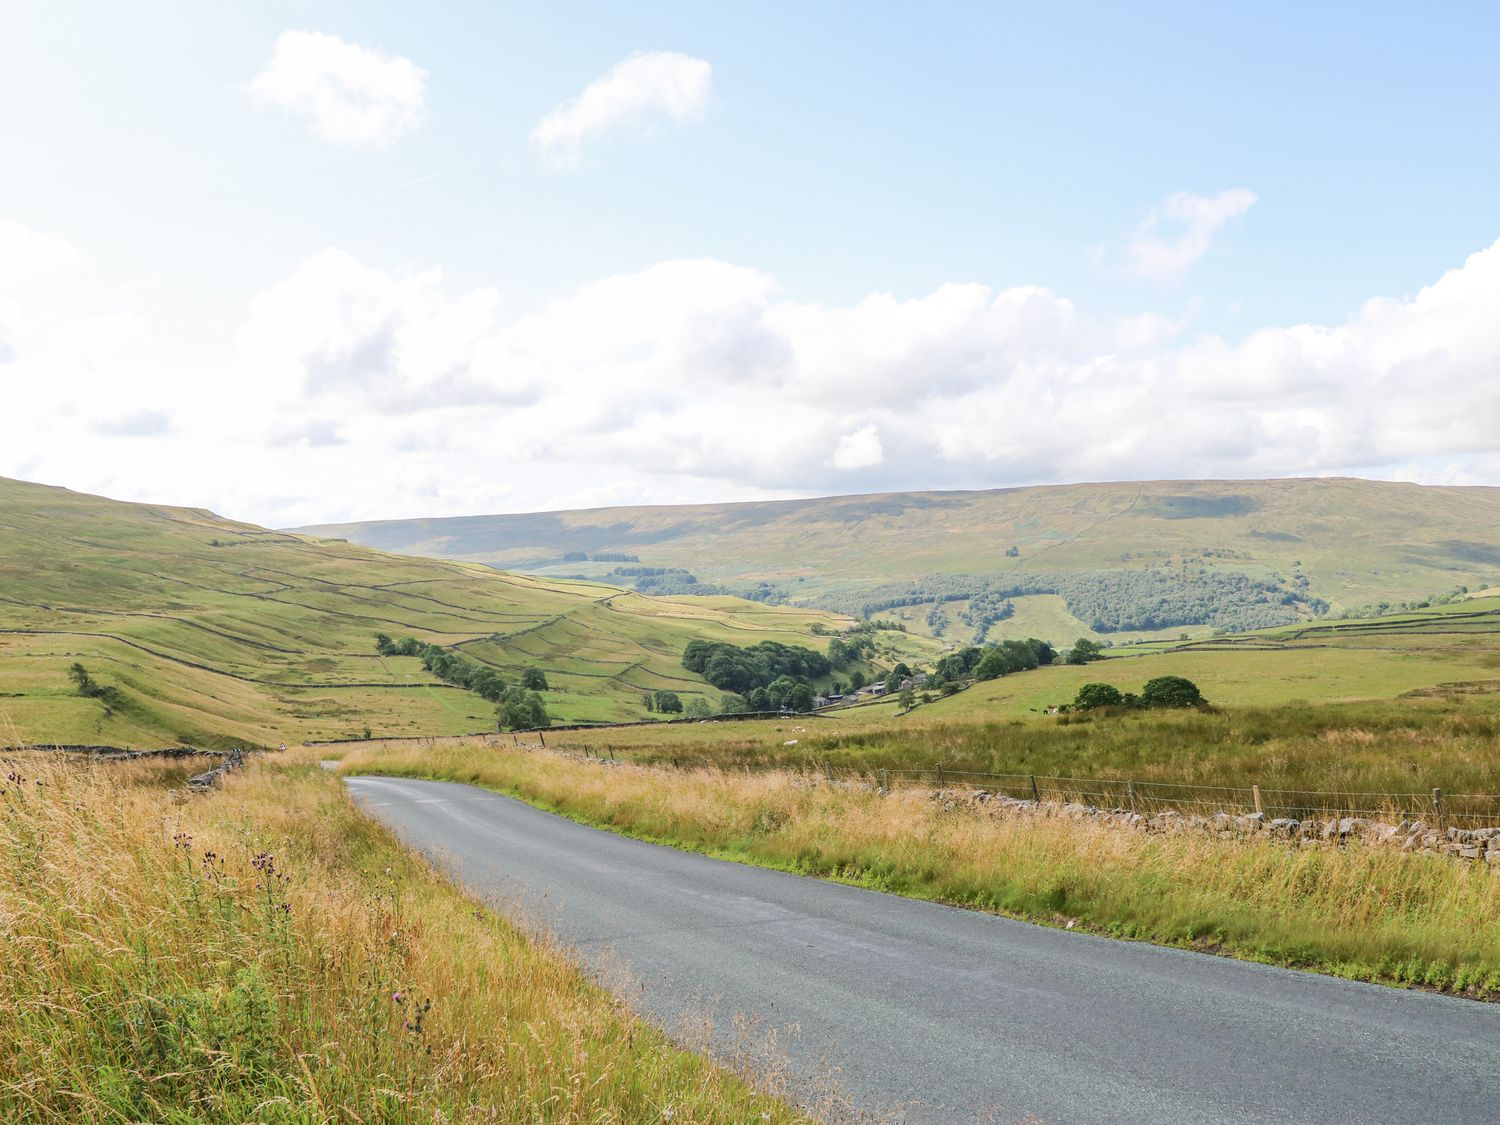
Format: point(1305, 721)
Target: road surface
point(926, 1013)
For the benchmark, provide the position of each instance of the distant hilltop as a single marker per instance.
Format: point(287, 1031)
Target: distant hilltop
point(1115, 561)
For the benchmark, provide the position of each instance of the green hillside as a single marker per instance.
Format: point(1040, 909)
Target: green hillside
point(1119, 561)
point(217, 632)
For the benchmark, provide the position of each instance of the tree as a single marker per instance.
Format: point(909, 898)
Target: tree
point(488, 684)
point(534, 679)
point(384, 645)
point(522, 710)
point(856, 680)
point(82, 681)
point(90, 688)
point(1084, 651)
point(733, 704)
point(697, 708)
point(648, 701)
point(993, 665)
point(1172, 691)
point(668, 702)
point(1097, 695)
point(908, 697)
point(799, 698)
point(900, 672)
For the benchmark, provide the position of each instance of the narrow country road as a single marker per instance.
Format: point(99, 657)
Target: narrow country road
point(932, 1014)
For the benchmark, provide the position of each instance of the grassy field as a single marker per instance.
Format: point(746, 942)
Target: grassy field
point(1369, 913)
point(1355, 541)
point(221, 633)
point(266, 953)
point(1399, 704)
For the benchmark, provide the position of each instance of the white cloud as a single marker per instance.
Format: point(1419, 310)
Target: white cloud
point(1178, 231)
point(350, 95)
point(26, 254)
point(359, 391)
point(630, 94)
point(859, 450)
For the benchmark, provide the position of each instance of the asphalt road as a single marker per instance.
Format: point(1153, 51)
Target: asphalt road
point(933, 1014)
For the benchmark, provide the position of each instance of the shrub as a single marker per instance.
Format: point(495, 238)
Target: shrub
point(1097, 695)
point(1172, 691)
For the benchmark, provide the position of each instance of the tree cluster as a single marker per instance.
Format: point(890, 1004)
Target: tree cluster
point(1084, 651)
point(519, 707)
point(666, 702)
point(1013, 656)
point(984, 610)
point(742, 670)
point(1135, 599)
point(1163, 691)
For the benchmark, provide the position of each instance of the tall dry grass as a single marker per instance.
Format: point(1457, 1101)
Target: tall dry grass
point(1367, 912)
point(265, 953)
point(1392, 746)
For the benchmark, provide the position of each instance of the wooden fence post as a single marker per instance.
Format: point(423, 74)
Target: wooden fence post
point(1255, 793)
point(1437, 802)
point(1035, 793)
point(940, 776)
point(884, 782)
point(542, 738)
point(1130, 794)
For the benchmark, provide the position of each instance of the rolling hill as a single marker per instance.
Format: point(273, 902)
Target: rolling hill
point(217, 632)
point(1116, 561)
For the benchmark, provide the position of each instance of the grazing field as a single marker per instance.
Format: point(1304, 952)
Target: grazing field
point(218, 633)
point(1366, 912)
point(266, 953)
point(1321, 708)
point(1395, 747)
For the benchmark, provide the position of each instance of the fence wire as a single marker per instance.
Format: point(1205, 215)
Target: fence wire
point(1149, 797)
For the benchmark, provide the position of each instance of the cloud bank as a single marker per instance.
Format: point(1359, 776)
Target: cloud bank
point(355, 391)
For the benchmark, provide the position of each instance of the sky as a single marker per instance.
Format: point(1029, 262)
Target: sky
point(311, 262)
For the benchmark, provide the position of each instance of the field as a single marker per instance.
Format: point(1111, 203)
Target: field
point(1318, 708)
point(220, 633)
point(1348, 542)
point(266, 953)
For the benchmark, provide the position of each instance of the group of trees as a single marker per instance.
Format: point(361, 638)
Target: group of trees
point(984, 610)
point(991, 661)
point(665, 702)
point(517, 707)
point(1084, 651)
point(1163, 691)
point(1187, 592)
point(602, 556)
point(742, 670)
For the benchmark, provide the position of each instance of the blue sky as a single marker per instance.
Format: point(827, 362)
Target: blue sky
point(1077, 212)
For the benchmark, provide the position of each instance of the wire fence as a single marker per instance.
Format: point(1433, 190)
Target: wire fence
point(1432, 806)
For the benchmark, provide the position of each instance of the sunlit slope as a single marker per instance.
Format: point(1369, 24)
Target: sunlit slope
point(1354, 542)
point(218, 631)
point(1436, 654)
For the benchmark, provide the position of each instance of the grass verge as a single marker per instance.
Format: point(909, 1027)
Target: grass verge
point(1365, 913)
point(266, 953)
